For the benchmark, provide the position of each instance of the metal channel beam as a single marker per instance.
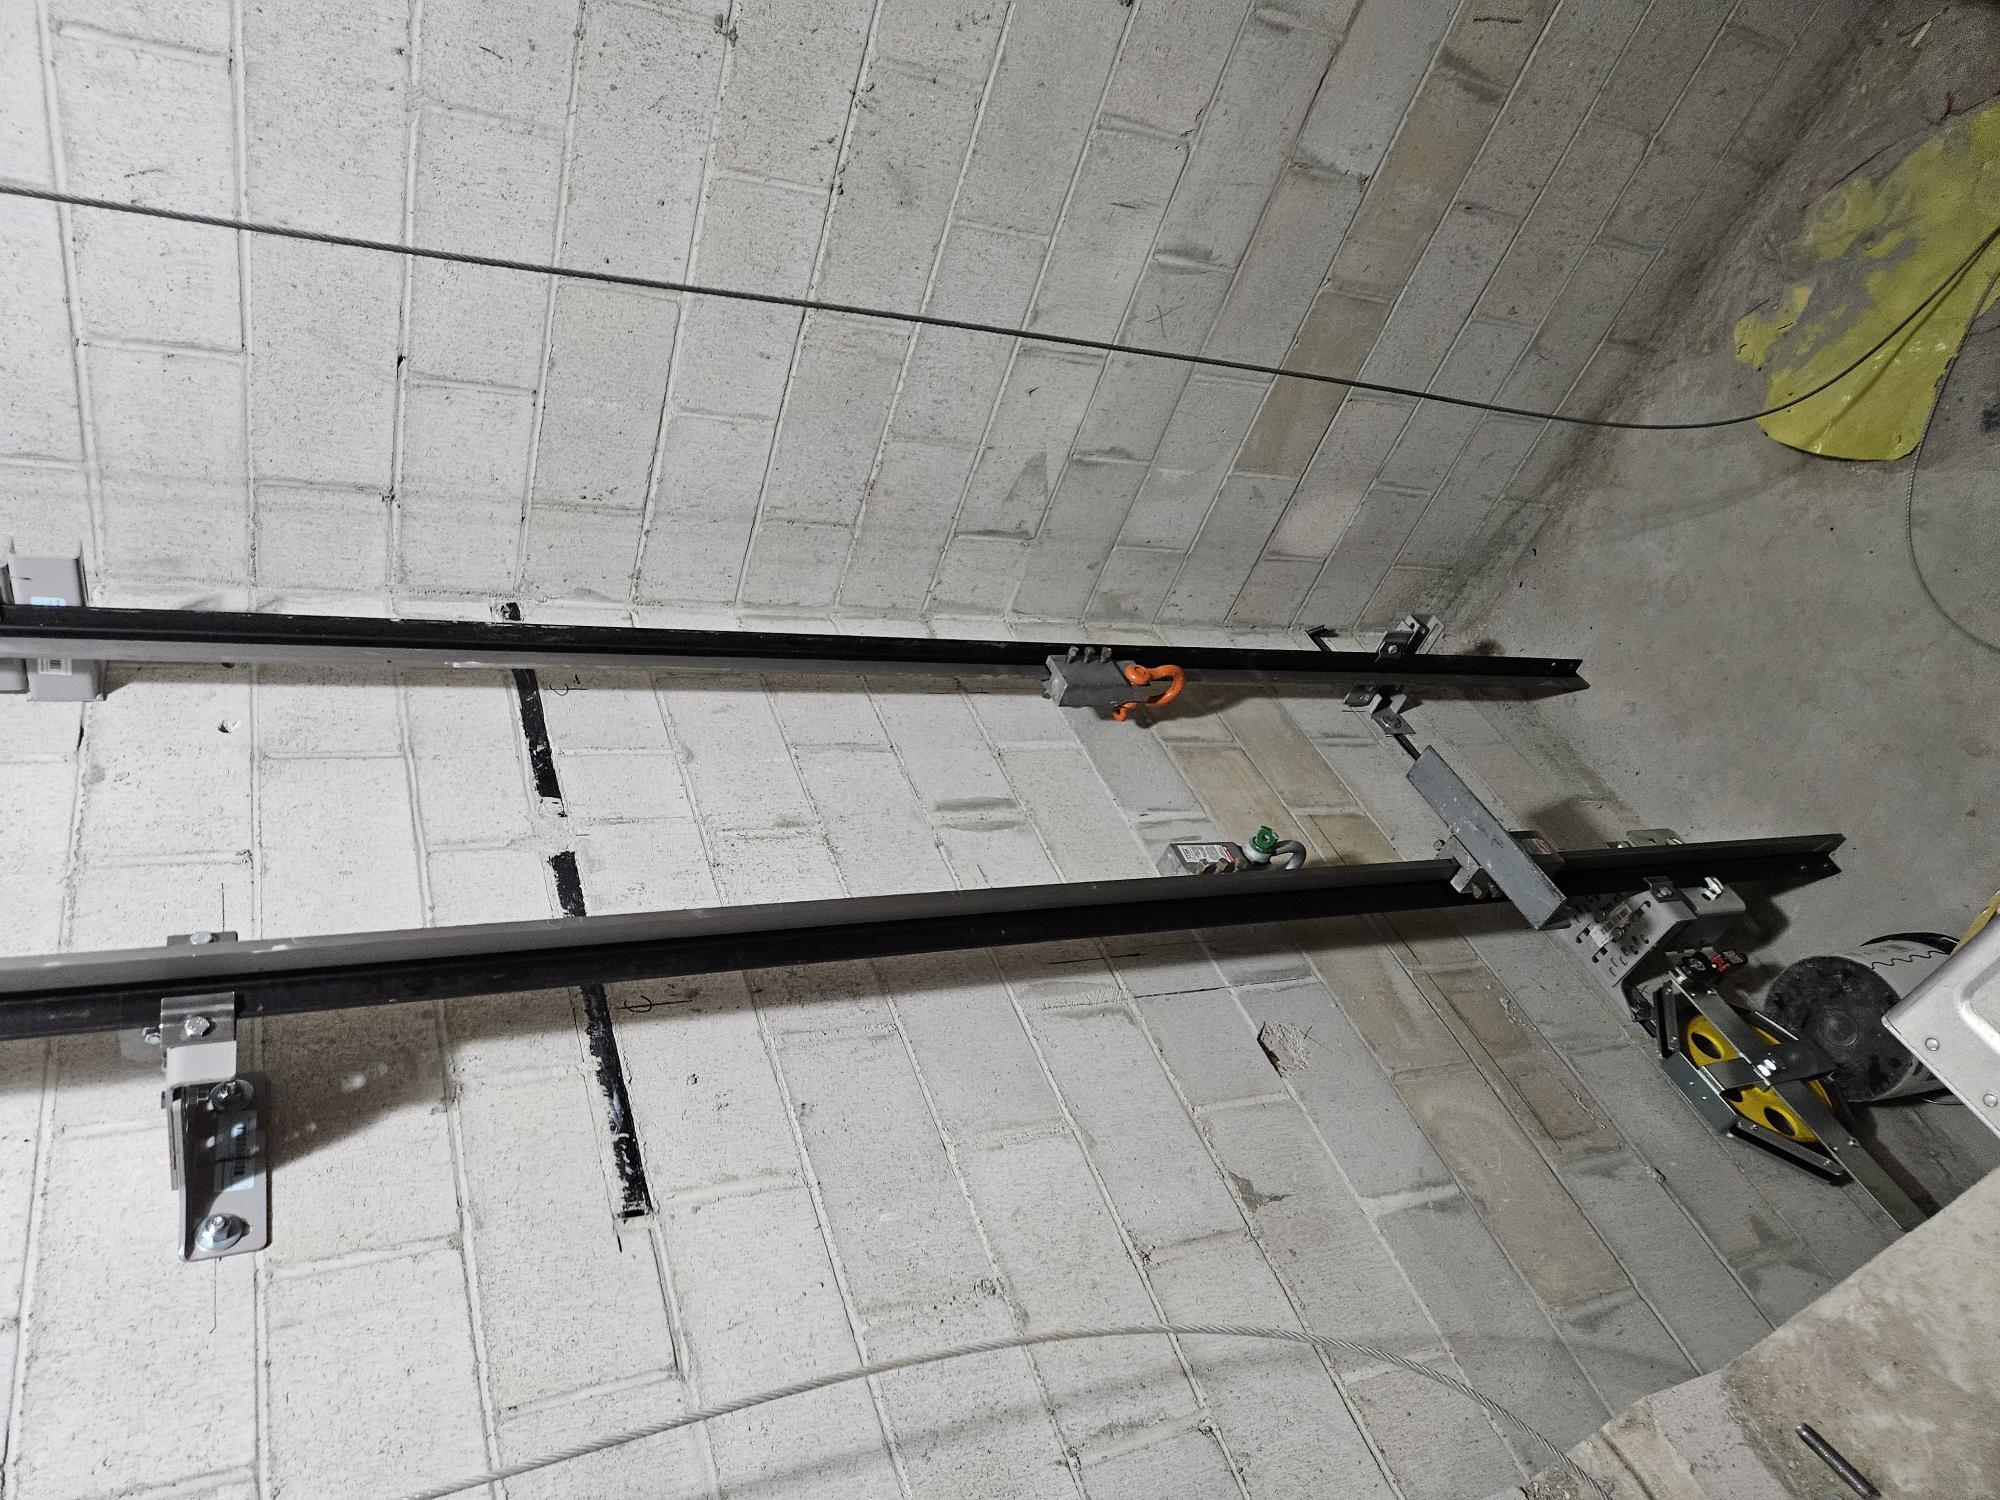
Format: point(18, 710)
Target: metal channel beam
point(58, 994)
point(225, 637)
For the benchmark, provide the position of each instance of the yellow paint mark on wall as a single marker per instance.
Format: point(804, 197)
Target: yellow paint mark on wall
point(1755, 335)
point(1883, 244)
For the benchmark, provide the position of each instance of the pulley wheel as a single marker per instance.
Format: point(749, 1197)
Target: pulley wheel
point(1703, 1044)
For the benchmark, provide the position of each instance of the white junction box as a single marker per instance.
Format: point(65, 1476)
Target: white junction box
point(47, 581)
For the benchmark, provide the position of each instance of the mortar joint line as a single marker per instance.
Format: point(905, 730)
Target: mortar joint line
point(1249, 1226)
point(72, 285)
point(821, 251)
point(1513, 89)
point(24, 1329)
point(925, 304)
point(1041, 276)
point(1016, 1312)
point(1079, 1137)
point(545, 365)
point(650, 498)
point(809, 1180)
point(1236, 271)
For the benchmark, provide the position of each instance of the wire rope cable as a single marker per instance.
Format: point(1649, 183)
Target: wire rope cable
point(1910, 504)
point(1321, 1341)
point(964, 325)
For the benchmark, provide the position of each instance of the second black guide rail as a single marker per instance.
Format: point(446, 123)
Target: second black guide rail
point(61, 994)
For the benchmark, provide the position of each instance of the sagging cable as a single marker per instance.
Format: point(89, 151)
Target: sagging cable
point(964, 325)
point(1321, 1341)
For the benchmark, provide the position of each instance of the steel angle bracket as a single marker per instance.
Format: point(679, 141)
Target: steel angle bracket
point(217, 1130)
point(1399, 643)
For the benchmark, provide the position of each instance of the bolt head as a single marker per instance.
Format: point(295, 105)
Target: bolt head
point(194, 1026)
point(231, 1093)
point(1930, 1044)
point(198, 938)
point(1991, 1101)
point(151, 1035)
point(219, 1232)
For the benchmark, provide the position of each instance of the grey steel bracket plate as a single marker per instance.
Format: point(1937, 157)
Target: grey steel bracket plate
point(219, 1136)
point(1406, 637)
point(13, 670)
point(1482, 846)
point(42, 583)
point(1091, 678)
point(216, 1130)
point(1386, 710)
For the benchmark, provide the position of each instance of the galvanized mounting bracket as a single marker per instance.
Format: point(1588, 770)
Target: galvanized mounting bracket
point(1399, 643)
point(1090, 677)
point(1618, 935)
point(46, 581)
point(1780, 1062)
point(1386, 709)
point(216, 1134)
point(1406, 638)
point(1489, 857)
point(1086, 678)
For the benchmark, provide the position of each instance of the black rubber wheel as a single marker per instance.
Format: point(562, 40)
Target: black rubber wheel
point(1837, 1004)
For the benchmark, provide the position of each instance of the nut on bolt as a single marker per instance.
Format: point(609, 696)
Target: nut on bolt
point(218, 1232)
point(194, 1026)
point(231, 1093)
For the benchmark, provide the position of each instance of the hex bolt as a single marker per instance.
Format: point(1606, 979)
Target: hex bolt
point(198, 938)
point(195, 1026)
point(151, 1035)
point(231, 1093)
point(218, 1232)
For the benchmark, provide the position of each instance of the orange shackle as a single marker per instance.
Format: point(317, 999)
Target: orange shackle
point(1139, 676)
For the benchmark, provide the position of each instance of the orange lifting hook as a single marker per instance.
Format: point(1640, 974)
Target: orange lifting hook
point(1139, 676)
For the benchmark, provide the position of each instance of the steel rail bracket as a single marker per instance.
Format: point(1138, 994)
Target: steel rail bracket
point(217, 1135)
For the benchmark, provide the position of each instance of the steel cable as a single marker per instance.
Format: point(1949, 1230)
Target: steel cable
point(1320, 1341)
point(964, 325)
point(1910, 493)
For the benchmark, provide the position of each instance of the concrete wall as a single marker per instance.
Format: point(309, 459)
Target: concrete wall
point(1496, 197)
point(1762, 654)
point(1896, 1366)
